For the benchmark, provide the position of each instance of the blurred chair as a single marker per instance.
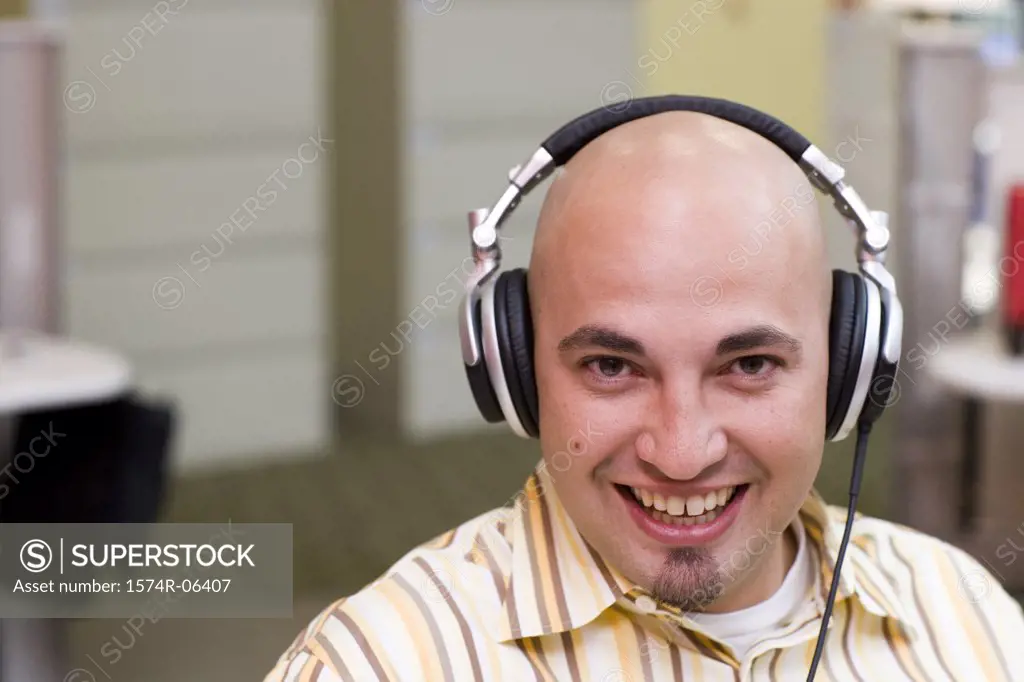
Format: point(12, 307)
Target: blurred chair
point(105, 463)
point(108, 465)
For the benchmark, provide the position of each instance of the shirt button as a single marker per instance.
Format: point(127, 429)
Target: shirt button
point(646, 604)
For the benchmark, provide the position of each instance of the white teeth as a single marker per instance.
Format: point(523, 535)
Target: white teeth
point(685, 520)
point(693, 509)
point(676, 506)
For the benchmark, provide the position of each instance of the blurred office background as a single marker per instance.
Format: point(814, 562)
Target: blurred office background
point(278, 332)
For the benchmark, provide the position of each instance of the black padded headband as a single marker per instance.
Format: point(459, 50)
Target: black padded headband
point(579, 132)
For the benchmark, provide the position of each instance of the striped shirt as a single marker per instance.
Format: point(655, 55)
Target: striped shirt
point(516, 594)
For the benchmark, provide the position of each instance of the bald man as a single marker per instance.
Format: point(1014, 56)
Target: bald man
point(680, 298)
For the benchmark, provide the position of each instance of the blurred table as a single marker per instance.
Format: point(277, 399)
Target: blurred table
point(38, 372)
point(978, 365)
point(41, 372)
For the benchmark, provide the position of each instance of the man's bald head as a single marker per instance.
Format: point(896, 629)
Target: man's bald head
point(681, 185)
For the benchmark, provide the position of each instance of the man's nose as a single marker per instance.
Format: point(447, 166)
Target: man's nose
point(683, 438)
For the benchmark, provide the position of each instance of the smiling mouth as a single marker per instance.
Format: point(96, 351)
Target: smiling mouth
point(694, 510)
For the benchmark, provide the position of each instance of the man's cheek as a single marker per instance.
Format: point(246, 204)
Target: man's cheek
point(788, 445)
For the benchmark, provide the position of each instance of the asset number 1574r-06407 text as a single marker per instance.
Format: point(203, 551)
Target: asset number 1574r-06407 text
point(175, 585)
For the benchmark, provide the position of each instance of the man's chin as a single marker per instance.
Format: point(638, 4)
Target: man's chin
point(689, 578)
point(686, 577)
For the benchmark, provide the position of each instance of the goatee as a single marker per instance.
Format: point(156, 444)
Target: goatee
point(689, 580)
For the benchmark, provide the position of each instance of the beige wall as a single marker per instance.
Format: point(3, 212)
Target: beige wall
point(13, 8)
point(767, 55)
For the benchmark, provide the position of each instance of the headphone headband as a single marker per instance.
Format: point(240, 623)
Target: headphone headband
point(871, 227)
point(578, 133)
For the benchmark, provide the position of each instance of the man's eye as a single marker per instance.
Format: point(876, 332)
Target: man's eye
point(755, 365)
point(607, 367)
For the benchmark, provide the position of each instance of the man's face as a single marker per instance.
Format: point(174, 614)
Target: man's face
point(686, 379)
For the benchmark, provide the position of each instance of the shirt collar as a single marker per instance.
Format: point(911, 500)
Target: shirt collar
point(861, 576)
point(558, 582)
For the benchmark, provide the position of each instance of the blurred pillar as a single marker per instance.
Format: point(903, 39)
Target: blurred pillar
point(30, 116)
point(30, 110)
point(941, 100)
point(365, 230)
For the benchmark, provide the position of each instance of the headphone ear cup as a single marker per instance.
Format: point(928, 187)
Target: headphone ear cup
point(883, 390)
point(847, 328)
point(515, 342)
point(479, 377)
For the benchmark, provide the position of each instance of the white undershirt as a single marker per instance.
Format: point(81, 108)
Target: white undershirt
point(742, 629)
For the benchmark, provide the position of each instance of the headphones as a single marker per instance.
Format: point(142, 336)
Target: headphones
point(866, 320)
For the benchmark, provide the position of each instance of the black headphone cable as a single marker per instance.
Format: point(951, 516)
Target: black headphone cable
point(863, 430)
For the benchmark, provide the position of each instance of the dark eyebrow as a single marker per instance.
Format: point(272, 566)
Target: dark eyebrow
point(757, 337)
point(592, 335)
